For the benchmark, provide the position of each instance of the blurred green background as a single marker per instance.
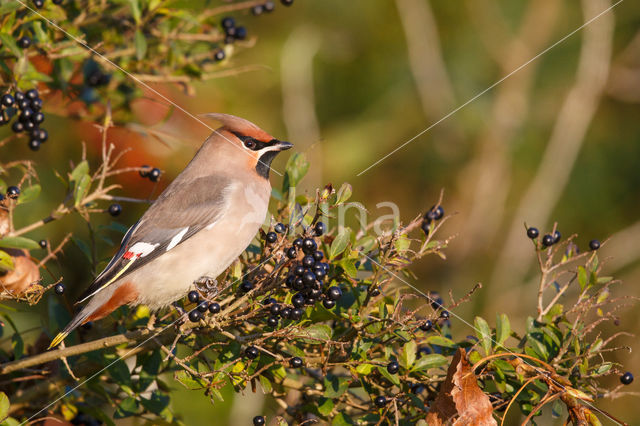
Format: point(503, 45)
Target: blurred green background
point(349, 81)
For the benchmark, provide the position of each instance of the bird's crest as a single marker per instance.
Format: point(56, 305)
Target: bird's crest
point(240, 125)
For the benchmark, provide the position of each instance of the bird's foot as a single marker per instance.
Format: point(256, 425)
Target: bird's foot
point(207, 286)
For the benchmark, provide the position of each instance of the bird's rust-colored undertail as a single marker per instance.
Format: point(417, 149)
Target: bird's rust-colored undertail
point(123, 295)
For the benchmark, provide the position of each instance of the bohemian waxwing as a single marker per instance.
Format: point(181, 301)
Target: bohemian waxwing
point(196, 228)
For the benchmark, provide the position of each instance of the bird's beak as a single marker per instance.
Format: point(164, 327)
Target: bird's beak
point(282, 145)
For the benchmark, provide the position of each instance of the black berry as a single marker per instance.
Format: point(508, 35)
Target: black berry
point(154, 175)
point(296, 314)
point(203, 306)
point(272, 321)
point(334, 293)
point(258, 421)
point(194, 315)
point(556, 236)
point(24, 42)
point(279, 228)
point(626, 378)
point(393, 367)
point(251, 352)
point(298, 270)
point(533, 232)
point(43, 244)
point(219, 55)
point(296, 362)
point(214, 307)
point(193, 296)
point(269, 6)
point(548, 240)
point(257, 10)
point(38, 3)
point(40, 134)
point(308, 278)
point(59, 288)
point(594, 244)
point(380, 401)
point(318, 256)
point(7, 100)
point(36, 104)
point(115, 209)
point(57, 1)
point(375, 292)
point(19, 96)
point(319, 229)
point(285, 313)
point(17, 127)
point(297, 243)
point(328, 303)
point(241, 33)
point(309, 246)
point(286, 2)
point(34, 144)
point(38, 118)
point(308, 261)
point(246, 286)
point(426, 326)
point(435, 213)
point(13, 192)
point(228, 22)
point(292, 253)
point(297, 300)
point(275, 309)
point(271, 237)
point(32, 94)
point(444, 315)
point(144, 171)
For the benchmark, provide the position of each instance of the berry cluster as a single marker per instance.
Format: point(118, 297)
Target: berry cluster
point(153, 174)
point(548, 239)
point(434, 214)
point(232, 32)
point(27, 107)
point(268, 6)
point(202, 306)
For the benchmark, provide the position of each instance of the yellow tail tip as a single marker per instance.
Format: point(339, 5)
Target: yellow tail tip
point(57, 340)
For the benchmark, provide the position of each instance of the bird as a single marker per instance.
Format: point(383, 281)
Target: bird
point(195, 228)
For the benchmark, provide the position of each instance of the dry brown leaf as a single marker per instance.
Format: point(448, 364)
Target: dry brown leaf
point(24, 274)
point(4, 220)
point(461, 401)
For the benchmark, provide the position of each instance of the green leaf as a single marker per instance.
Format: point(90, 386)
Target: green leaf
point(344, 193)
point(582, 277)
point(4, 406)
point(349, 266)
point(6, 261)
point(10, 43)
point(393, 378)
point(408, 356)
point(120, 372)
point(318, 332)
point(128, 407)
point(266, 384)
point(440, 341)
point(82, 189)
point(140, 42)
point(364, 369)
point(157, 403)
point(325, 406)
point(297, 166)
point(503, 328)
point(402, 243)
point(135, 9)
point(188, 380)
point(17, 345)
point(340, 243)
point(29, 194)
point(335, 386)
point(483, 332)
point(19, 243)
point(342, 420)
point(426, 362)
point(81, 169)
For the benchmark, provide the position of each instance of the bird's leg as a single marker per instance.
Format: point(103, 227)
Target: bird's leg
point(151, 322)
point(208, 286)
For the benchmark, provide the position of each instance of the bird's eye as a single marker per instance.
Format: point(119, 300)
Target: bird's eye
point(250, 143)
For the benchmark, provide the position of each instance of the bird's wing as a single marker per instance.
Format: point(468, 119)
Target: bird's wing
point(178, 214)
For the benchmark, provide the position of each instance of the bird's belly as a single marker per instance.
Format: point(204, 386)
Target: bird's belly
point(208, 253)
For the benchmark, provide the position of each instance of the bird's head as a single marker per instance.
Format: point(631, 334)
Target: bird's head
point(243, 144)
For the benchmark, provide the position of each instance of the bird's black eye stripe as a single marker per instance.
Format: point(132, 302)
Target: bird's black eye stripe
point(251, 143)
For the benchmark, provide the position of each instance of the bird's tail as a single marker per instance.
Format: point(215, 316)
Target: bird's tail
point(75, 323)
